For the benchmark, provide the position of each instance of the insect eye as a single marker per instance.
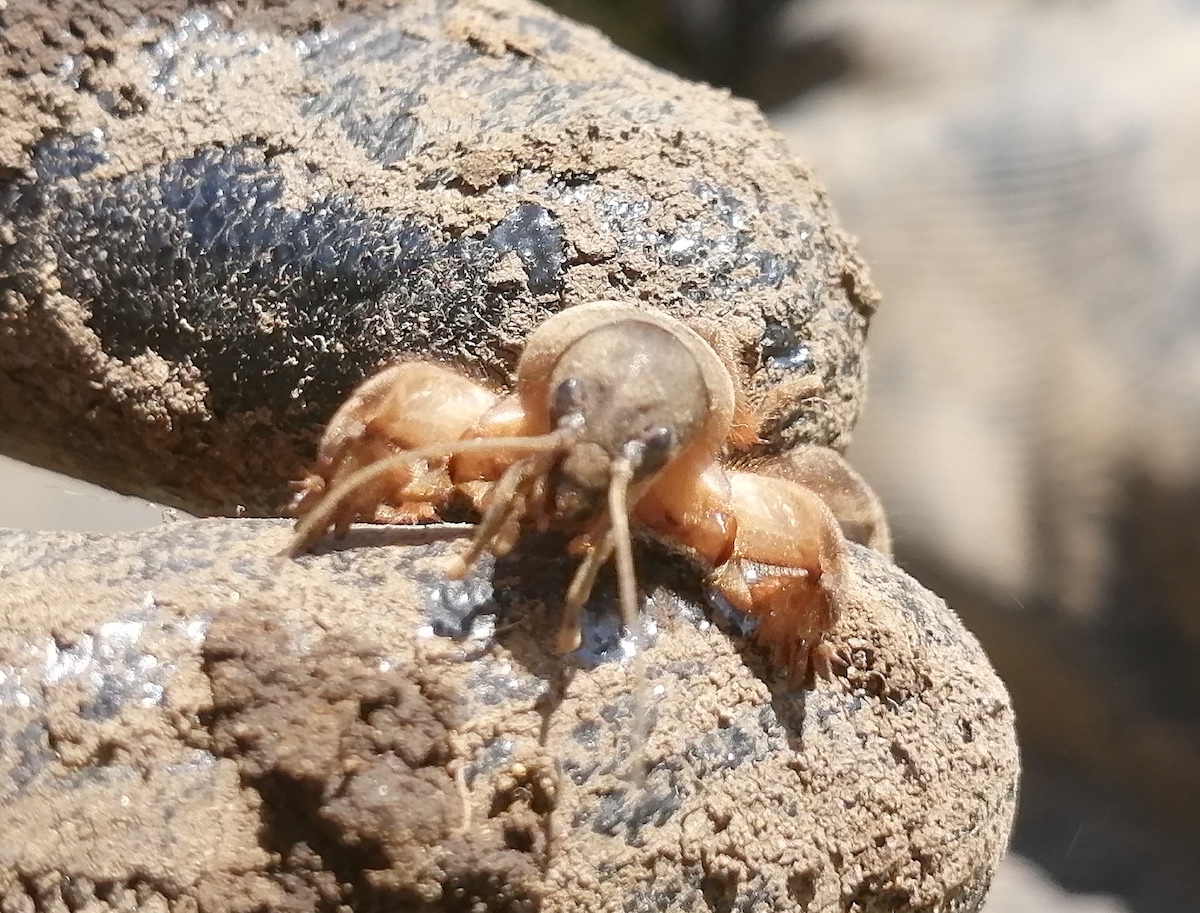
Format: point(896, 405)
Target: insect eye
point(565, 400)
point(657, 446)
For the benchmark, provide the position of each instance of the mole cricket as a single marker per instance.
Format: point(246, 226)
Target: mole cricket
point(619, 416)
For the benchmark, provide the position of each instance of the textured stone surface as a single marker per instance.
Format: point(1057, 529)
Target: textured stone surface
point(188, 720)
point(214, 223)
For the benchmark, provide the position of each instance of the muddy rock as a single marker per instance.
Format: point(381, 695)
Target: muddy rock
point(214, 221)
point(188, 721)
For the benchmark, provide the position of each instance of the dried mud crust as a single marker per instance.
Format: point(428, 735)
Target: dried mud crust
point(189, 722)
point(351, 762)
point(213, 223)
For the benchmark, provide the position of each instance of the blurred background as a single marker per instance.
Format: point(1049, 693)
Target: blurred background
point(1024, 179)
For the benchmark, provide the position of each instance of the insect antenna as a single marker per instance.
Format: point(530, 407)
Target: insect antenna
point(618, 509)
point(310, 527)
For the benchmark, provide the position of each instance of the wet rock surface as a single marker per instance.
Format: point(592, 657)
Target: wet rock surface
point(188, 721)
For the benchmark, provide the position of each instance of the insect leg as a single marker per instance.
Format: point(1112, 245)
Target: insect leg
point(570, 633)
point(788, 569)
point(312, 525)
point(402, 407)
point(846, 493)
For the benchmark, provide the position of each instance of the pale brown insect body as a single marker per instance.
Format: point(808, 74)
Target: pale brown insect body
point(618, 415)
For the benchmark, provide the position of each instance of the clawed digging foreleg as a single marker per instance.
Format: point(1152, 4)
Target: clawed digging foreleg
point(789, 567)
point(332, 505)
point(829, 659)
point(406, 494)
point(372, 437)
point(793, 611)
point(788, 571)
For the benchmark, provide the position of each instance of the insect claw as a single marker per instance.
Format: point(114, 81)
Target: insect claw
point(570, 634)
point(507, 536)
point(457, 569)
point(829, 659)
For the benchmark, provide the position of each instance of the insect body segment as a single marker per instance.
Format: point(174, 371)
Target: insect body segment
point(619, 417)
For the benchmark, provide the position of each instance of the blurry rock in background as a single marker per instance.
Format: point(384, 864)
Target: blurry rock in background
point(33, 498)
point(1021, 888)
point(723, 42)
point(1025, 181)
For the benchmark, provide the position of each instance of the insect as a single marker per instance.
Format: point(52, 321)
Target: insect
point(620, 417)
